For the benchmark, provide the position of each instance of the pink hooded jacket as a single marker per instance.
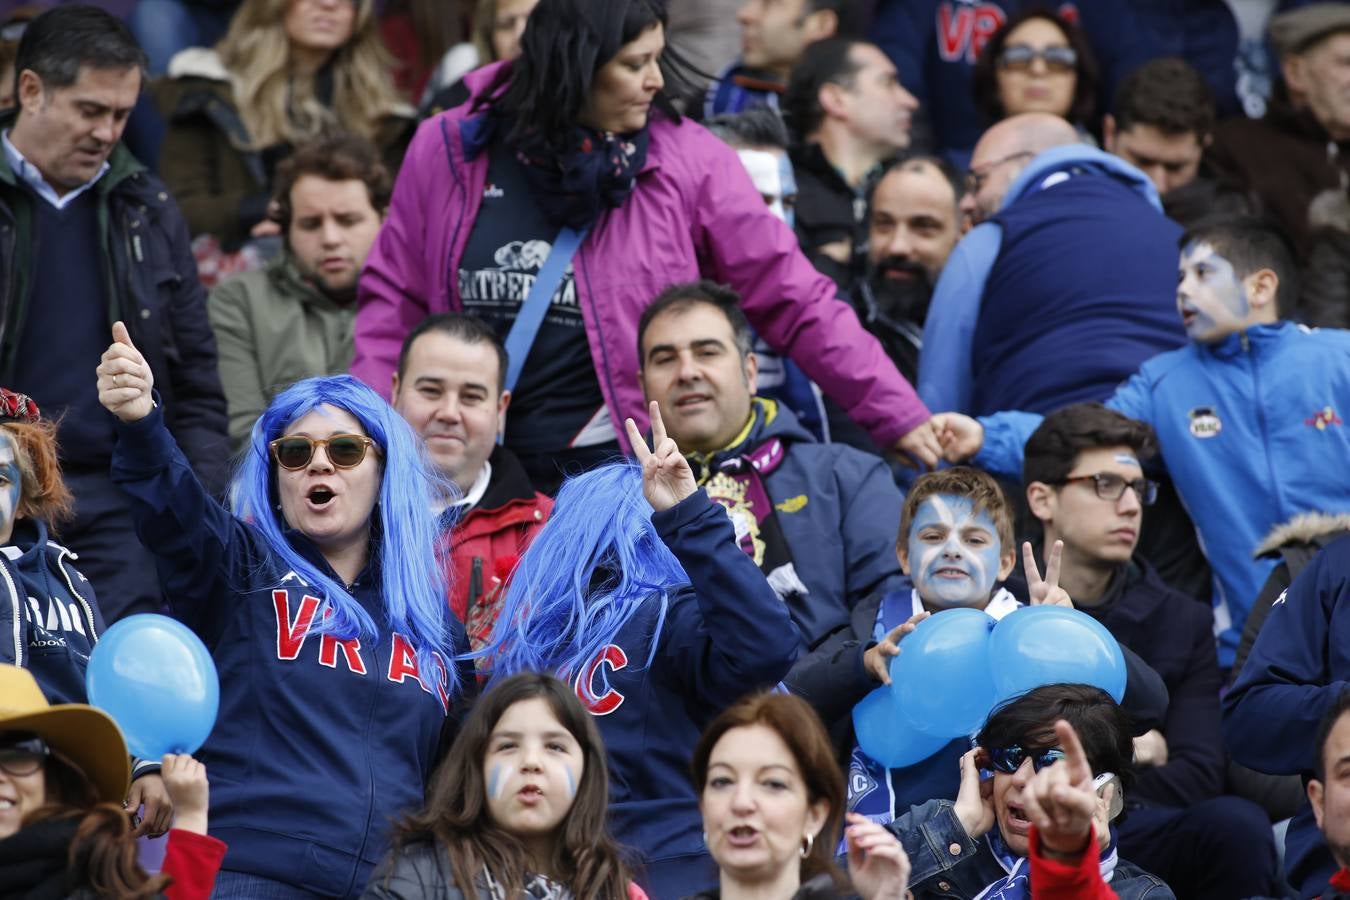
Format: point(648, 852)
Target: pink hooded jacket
point(693, 214)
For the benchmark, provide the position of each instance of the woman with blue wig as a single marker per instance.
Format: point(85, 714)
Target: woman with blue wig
point(651, 611)
point(324, 606)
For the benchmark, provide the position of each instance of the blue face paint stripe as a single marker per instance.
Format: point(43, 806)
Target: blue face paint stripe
point(495, 782)
point(571, 783)
point(954, 515)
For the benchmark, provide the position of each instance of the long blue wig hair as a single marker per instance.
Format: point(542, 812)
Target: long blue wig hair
point(590, 569)
point(403, 528)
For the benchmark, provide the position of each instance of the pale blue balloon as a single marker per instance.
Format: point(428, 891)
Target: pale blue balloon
point(158, 682)
point(942, 677)
point(884, 732)
point(1039, 645)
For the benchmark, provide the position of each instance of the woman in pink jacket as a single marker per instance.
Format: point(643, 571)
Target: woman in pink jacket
point(579, 133)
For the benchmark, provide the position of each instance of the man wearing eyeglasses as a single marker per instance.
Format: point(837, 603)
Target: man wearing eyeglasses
point(1085, 483)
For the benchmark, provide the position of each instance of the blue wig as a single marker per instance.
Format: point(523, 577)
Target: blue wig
point(412, 579)
point(595, 563)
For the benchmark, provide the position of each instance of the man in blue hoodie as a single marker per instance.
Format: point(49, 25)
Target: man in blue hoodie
point(1071, 259)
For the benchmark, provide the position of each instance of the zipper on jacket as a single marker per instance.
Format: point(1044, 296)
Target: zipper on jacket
point(70, 583)
point(475, 584)
point(18, 614)
point(1261, 421)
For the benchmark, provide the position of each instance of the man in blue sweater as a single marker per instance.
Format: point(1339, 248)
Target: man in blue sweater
point(1071, 259)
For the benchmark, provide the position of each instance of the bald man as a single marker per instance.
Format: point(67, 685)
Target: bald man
point(1063, 287)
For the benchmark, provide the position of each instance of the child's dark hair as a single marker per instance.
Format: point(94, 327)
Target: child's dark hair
point(1250, 244)
point(1339, 707)
point(961, 481)
point(586, 858)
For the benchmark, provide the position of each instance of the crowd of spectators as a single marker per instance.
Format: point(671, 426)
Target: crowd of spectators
point(554, 416)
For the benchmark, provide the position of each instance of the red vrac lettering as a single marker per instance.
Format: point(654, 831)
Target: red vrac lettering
point(403, 664)
point(351, 652)
point(291, 634)
point(604, 704)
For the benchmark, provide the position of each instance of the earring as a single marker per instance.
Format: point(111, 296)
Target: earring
point(808, 842)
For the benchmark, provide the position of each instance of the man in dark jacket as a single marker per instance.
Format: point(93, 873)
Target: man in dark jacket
point(849, 114)
point(818, 519)
point(1297, 157)
point(88, 237)
point(451, 387)
point(1297, 669)
point(1084, 480)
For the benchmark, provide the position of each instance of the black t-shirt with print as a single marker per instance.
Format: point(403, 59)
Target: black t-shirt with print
point(557, 401)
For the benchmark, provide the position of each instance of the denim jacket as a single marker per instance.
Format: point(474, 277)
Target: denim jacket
point(946, 863)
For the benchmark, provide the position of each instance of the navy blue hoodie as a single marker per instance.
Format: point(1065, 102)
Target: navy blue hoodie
point(1298, 666)
point(320, 742)
point(724, 636)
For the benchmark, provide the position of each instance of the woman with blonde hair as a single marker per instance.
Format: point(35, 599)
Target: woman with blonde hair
point(286, 71)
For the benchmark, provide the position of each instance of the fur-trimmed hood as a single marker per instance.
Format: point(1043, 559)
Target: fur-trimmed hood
point(1305, 528)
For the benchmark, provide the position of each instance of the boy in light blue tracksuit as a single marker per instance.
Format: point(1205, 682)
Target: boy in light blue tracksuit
point(1248, 414)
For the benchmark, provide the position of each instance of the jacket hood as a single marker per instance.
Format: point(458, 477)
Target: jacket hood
point(1305, 528)
point(1079, 157)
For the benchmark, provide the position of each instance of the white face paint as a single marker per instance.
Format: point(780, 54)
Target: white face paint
point(11, 489)
point(953, 553)
point(771, 173)
point(1211, 297)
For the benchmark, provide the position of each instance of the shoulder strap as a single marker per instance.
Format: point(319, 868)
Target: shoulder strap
point(531, 316)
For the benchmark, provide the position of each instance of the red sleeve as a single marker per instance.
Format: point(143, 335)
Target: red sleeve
point(1077, 880)
point(635, 892)
point(193, 860)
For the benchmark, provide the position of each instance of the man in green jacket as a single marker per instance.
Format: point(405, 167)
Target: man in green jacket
point(293, 318)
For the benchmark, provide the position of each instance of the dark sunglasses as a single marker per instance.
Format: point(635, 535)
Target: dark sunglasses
point(1112, 487)
point(1009, 759)
point(1019, 57)
point(22, 753)
point(345, 451)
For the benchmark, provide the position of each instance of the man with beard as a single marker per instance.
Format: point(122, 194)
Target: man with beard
point(1070, 259)
point(293, 318)
point(914, 221)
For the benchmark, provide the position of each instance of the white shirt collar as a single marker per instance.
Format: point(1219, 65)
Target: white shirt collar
point(476, 491)
point(29, 174)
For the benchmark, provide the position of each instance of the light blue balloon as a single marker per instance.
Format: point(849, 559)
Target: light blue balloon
point(158, 682)
point(942, 677)
point(884, 732)
point(1039, 645)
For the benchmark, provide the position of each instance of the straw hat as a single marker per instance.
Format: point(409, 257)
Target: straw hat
point(86, 736)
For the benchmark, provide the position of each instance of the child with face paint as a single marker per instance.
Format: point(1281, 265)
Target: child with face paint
point(46, 605)
point(516, 810)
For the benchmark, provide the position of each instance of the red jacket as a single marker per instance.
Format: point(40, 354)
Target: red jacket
point(486, 543)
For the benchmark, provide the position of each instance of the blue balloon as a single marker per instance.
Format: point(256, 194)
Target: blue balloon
point(884, 732)
point(1039, 645)
point(158, 682)
point(942, 677)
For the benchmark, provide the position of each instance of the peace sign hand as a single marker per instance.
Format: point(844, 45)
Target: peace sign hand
point(666, 476)
point(1060, 800)
point(1045, 592)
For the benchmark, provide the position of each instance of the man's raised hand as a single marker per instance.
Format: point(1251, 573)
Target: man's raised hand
point(1060, 800)
point(666, 476)
point(125, 381)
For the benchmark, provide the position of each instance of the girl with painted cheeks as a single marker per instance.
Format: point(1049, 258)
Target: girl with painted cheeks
point(516, 811)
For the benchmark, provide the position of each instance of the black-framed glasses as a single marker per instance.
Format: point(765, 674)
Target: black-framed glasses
point(22, 753)
point(1019, 57)
point(1112, 487)
point(976, 178)
point(1009, 759)
point(345, 451)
